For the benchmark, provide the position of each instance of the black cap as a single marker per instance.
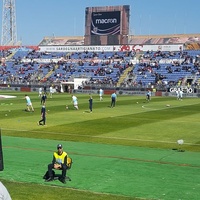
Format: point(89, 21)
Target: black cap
point(59, 146)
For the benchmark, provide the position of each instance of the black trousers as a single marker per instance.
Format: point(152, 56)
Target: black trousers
point(43, 120)
point(113, 102)
point(90, 107)
point(51, 167)
point(43, 102)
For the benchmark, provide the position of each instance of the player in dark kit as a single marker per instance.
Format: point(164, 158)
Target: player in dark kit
point(90, 103)
point(148, 95)
point(43, 99)
point(43, 116)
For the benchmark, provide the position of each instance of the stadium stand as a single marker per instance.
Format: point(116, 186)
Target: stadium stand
point(31, 66)
point(165, 68)
point(98, 67)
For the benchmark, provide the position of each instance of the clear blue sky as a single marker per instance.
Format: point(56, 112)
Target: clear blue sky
point(39, 18)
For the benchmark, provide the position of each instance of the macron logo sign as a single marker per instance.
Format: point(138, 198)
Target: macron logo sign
point(106, 21)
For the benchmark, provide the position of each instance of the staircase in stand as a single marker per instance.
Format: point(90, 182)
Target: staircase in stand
point(11, 55)
point(124, 75)
point(49, 73)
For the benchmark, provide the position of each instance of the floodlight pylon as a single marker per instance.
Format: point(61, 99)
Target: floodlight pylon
point(9, 29)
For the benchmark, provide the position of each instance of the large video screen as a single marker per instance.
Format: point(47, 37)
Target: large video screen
point(105, 23)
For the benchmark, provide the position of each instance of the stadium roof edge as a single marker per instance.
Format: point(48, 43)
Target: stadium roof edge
point(166, 35)
point(135, 36)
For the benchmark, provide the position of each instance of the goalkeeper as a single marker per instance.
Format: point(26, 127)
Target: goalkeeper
point(59, 162)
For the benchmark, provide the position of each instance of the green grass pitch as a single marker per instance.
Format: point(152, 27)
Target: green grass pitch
point(126, 152)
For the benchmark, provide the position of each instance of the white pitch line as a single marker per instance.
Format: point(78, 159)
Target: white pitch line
point(6, 97)
point(150, 108)
point(103, 137)
point(165, 107)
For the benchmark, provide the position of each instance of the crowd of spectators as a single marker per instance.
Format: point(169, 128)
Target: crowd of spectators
point(31, 66)
point(153, 68)
point(165, 68)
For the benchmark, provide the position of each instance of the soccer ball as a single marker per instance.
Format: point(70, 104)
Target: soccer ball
point(180, 142)
point(67, 107)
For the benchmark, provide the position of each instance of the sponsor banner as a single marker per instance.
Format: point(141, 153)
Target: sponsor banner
point(116, 48)
point(108, 92)
point(184, 89)
point(87, 91)
point(105, 23)
point(25, 89)
point(138, 48)
point(5, 88)
point(118, 92)
point(125, 92)
point(10, 89)
point(170, 94)
point(27, 60)
point(76, 48)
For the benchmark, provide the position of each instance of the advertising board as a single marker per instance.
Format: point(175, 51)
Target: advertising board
point(105, 23)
